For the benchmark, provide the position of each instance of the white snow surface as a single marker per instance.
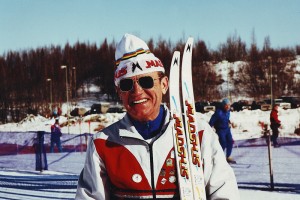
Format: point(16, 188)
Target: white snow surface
point(246, 123)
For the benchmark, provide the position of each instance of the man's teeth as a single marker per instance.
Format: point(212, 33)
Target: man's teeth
point(140, 101)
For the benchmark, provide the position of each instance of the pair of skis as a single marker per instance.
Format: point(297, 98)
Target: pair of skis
point(185, 130)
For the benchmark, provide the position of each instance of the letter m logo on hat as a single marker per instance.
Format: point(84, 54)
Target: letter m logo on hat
point(134, 66)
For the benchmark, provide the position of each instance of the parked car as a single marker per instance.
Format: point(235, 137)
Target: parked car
point(280, 103)
point(204, 106)
point(78, 112)
point(98, 108)
point(262, 105)
point(265, 106)
point(240, 105)
point(217, 104)
point(116, 109)
point(294, 101)
point(256, 105)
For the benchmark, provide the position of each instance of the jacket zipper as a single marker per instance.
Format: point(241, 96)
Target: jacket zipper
point(152, 171)
point(151, 164)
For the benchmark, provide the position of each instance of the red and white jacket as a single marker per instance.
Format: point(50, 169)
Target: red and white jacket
point(120, 164)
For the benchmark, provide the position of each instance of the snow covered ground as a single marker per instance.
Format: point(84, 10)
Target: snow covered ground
point(19, 180)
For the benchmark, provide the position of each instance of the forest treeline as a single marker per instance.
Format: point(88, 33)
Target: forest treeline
point(27, 76)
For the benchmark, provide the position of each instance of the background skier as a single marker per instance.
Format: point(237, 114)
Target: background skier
point(220, 120)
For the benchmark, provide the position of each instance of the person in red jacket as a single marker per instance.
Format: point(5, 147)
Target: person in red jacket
point(275, 124)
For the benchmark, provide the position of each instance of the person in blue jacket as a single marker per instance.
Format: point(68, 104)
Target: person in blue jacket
point(220, 120)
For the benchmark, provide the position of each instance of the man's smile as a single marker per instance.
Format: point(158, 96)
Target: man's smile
point(139, 101)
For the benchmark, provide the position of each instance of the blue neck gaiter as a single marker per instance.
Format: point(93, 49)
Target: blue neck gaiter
point(151, 128)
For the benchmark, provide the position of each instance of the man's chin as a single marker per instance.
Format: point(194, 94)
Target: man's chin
point(141, 114)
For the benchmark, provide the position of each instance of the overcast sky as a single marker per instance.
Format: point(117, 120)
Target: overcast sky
point(26, 24)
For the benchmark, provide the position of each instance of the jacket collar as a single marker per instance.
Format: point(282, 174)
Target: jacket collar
point(131, 130)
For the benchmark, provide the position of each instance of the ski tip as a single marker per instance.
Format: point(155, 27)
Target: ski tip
point(190, 39)
point(189, 44)
point(176, 58)
point(176, 54)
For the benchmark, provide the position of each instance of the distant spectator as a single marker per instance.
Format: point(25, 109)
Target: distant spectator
point(275, 124)
point(55, 136)
point(59, 111)
point(55, 112)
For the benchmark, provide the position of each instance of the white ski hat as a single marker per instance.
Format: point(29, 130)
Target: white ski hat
point(133, 57)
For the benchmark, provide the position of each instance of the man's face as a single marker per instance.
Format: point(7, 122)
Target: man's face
point(143, 104)
point(227, 107)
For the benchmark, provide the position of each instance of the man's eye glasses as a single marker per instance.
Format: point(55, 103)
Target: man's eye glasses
point(146, 82)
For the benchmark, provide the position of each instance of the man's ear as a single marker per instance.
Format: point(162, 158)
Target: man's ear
point(165, 84)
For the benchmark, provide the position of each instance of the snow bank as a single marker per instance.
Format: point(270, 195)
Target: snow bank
point(246, 123)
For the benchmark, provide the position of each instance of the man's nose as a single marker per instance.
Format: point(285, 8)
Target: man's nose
point(136, 87)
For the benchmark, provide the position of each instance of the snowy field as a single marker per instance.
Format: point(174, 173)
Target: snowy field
point(19, 180)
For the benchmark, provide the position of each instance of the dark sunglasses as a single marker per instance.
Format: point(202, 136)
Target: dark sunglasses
point(146, 82)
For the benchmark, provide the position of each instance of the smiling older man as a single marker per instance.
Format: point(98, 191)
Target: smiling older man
point(134, 157)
